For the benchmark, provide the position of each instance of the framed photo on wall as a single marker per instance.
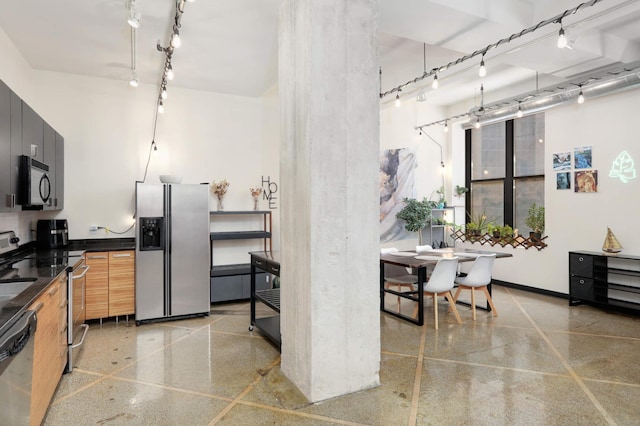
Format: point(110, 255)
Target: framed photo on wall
point(583, 157)
point(562, 161)
point(586, 181)
point(563, 180)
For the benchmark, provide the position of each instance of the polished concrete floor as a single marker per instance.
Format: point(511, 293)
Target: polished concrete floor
point(540, 362)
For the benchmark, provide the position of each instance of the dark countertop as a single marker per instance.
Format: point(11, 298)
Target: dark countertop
point(23, 269)
point(45, 266)
point(103, 244)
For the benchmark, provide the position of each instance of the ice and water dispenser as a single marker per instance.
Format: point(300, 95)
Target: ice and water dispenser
point(151, 233)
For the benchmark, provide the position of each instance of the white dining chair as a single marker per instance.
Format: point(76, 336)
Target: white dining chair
point(479, 277)
point(440, 284)
point(398, 276)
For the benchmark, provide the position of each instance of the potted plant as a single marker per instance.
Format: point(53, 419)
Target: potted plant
point(461, 190)
point(442, 201)
point(535, 221)
point(506, 233)
point(416, 215)
point(494, 230)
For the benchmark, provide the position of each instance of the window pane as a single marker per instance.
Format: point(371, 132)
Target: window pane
point(488, 198)
point(528, 145)
point(526, 192)
point(488, 151)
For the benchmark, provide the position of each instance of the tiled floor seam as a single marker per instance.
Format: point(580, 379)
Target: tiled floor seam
point(415, 397)
point(566, 364)
point(497, 367)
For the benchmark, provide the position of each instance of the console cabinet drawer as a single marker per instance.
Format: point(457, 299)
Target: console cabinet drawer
point(582, 288)
point(581, 265)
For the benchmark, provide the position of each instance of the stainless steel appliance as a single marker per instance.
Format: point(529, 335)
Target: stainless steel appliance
point(34, 184)
point(52, 233)
point(16, 366)
point(172, 251)
point(76, 293)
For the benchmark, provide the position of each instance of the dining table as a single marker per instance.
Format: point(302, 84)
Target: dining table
point(423, 262)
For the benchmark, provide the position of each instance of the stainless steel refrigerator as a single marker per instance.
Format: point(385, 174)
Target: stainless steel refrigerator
point(172, 251)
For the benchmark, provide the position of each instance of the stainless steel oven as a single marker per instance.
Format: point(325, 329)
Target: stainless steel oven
point(76, 293)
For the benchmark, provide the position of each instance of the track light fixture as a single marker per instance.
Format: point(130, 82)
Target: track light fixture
point(580, 96)
point(435, 81)
point(134, 79)
point(175, 38)
point(133, 17)
point(483, 70)
point(562, 38)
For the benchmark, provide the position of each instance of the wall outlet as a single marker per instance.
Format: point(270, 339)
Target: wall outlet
point(93, 228)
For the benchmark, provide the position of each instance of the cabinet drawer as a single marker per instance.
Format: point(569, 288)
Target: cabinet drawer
point(273, 268)
point(581, 265)
point(582, 288)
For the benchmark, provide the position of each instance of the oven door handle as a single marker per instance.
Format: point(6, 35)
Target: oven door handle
point(84, 333)
point(86, 269)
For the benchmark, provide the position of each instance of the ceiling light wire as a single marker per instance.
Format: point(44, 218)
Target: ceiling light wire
point(134, 82)
point(552, 20)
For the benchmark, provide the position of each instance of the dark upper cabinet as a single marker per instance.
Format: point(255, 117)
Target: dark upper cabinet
point(6, 202)
point(20, 128)
point(32, 133)
point(59, 201)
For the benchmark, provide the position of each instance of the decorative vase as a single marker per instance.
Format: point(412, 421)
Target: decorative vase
point(255, 203)
point(220, 203)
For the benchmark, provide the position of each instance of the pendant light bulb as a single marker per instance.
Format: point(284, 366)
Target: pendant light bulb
point(477, 125)
point(398, 102)
point(562, 38)
point(519, 114)
point(175, 39)
point(134, 79)
point(160, 107)
point(170, 73)
point(581, 97)
point(483, 70)
point(163, 94)
point(446, 126)
point(435, 81)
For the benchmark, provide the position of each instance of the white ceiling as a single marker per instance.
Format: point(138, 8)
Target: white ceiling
point(230, 46)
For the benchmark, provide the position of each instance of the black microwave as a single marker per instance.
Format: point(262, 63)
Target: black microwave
point(34, 184)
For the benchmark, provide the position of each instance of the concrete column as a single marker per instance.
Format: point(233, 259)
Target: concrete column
point(329, 172)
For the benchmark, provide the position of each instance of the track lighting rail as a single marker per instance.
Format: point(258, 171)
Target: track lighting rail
point(553, 20)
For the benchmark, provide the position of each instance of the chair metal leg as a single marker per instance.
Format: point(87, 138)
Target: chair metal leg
point(435, 309)
point(473, 303)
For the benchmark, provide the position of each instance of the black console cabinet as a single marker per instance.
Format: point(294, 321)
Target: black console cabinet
point(604, 280)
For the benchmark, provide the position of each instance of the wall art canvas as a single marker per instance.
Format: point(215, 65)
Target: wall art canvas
point(582, 157)
point(586, 181)
point(563, 180)
point(397, 182)
point(562, 161)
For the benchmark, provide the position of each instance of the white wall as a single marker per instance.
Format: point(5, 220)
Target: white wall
point(578, 221)
point(108, 128)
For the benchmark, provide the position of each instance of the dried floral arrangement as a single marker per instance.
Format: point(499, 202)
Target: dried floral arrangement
point(219, 188)
point(255, 192)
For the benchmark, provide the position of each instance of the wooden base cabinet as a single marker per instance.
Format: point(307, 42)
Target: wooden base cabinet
point(50, 346)
point(121, 283)
point(110, 284)
point(97, 285)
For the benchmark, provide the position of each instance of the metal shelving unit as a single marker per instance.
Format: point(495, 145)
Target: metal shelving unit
point(439, 231)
